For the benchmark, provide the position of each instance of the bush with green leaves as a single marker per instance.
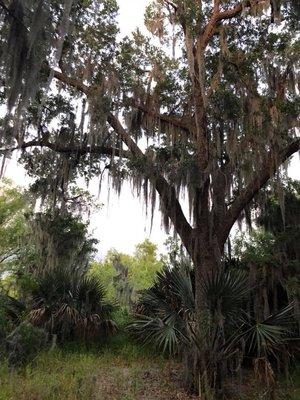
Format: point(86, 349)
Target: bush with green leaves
point(59, 238)
point(24, 343)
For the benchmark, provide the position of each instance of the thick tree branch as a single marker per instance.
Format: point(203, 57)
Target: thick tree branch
point(167, 192)
point(71, 149)
point(218, 16)
point(172, 120)
point(124, 135)
point(233, 12)
point(73, 82)
point(77, 84)
point(266, 171)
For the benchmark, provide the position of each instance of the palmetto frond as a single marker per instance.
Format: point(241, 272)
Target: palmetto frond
point(172, 289)
point(167, 307)
point(224, 293)
point(12, 307)
point(267, 337)
point(65, 304)
point(166, 334)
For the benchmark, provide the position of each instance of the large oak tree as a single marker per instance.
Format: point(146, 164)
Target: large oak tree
point(217, 101)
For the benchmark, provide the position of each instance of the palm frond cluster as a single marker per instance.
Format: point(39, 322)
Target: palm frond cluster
point(69, 305)
point(234, 333)
point(166, 311)
point(55, 291)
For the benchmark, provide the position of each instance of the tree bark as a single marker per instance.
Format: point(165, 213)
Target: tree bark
point(205, 367)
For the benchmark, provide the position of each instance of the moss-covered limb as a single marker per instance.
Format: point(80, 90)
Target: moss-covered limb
point(70, 81)
point(172, 120)
point(167, 193)
point(267, 170)
point(79, 150)
point(172, 207)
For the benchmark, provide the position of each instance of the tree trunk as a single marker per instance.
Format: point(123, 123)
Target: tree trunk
point(205, 371)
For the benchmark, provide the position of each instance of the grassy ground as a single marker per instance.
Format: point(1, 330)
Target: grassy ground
point(121, 370)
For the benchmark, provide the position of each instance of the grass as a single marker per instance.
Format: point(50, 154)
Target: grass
point(121, 370)
point(118, 370)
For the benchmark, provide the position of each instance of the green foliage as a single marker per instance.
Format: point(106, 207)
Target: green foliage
point(113, 273)
point(24, 343)
point(105, 272)
point(70, 304)
point(257, 249)
point(60, 239)
point(122, 317)
point(125, 276)
point(13, 227)
point(167, 310)
point(145, 266)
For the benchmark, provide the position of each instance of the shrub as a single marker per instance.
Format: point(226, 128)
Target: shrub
point(24, 343)
point(71, 305)
point(11, 311)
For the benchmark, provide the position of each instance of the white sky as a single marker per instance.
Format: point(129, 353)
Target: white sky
point(121, 223)
point(131, 15)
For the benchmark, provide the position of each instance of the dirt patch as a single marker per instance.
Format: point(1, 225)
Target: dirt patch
point(140, 382)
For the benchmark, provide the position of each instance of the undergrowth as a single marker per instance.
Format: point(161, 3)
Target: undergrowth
point(119, 369)
point(114, 370)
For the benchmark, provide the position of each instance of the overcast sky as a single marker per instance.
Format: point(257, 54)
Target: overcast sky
point(131, 14)
point(122, 223)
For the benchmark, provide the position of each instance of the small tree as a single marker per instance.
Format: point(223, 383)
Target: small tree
point(125, 276)
point(145, 265)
